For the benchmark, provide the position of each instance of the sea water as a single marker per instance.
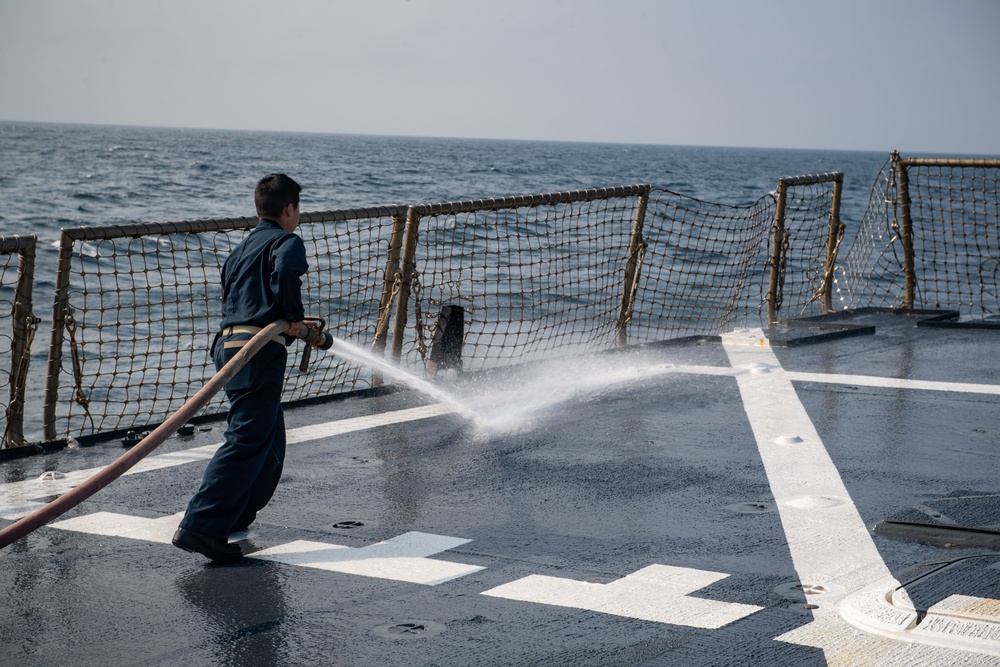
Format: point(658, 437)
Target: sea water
point(55, 176)
point(62, 176)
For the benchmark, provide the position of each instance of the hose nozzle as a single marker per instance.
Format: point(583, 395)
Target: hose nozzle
point(316, 337)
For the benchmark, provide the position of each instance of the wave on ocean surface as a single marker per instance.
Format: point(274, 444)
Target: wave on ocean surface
point(133, 174)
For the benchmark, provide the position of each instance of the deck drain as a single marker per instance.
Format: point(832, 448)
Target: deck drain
point(360, 461)
point(753, 507)
point(815, 502)
point(797, 591)
point(410, 629)
point(347, 525)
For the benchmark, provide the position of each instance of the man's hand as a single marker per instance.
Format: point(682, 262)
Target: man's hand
point(296, 329)
point(310, 332)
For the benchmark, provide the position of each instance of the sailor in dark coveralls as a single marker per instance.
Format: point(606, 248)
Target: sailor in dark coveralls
point(261, 283)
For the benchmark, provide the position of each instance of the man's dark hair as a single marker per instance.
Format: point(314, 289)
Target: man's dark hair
point(275, 192)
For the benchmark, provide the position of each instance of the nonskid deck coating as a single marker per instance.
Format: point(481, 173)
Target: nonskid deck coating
point(705, 504)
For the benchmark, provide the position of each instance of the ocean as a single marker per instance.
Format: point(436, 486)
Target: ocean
point(55, 176)
point(60, 176)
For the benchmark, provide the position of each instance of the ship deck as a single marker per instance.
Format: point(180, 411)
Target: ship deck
point(819, 493)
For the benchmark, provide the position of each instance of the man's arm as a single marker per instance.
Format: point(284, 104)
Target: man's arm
point(286, 278)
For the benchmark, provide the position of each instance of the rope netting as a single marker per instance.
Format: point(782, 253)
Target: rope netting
point(871, 272)
point(704, 267)
point(137, 306)
point(17, 331)
point(140, 308)
point(929, 239)
point(351, 257)
point(536, 276)
point(809, 216)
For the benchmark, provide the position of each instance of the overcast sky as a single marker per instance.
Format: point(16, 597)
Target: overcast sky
point(914, 75)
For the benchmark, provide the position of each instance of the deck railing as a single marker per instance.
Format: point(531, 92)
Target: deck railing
point(135, 306)
point(535, 274)
point(930, 238)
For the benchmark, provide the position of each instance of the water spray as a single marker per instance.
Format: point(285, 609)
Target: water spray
point(356, 354)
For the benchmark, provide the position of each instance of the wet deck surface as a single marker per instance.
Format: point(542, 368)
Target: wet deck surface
point(707, 503)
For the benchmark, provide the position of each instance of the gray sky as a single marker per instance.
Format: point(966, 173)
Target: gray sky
point(920, 76)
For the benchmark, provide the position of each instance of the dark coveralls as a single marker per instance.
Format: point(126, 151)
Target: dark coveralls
point(261, 283)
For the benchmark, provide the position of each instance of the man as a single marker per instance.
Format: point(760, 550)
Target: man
point(261, 283)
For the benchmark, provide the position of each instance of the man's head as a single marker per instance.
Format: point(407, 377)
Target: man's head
point(277, 198)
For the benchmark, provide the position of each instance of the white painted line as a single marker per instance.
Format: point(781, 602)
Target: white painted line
point(18, 494)
point(15, 495)
point(160, 461)
point(657, 593)
point(122, 525)
point(828, 541)
point(159, 530)
point(15, 512)
point(895, 383)
point(403, 558)
point(339, 427)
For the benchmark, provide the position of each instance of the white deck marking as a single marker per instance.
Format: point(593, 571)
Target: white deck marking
point(341, 426)
point(16, 496)
point(828, 541)
point(122, 525)
point(14, 511)
point(403, 558)
point(656, 593)
point(895, 383)
point(839, 378)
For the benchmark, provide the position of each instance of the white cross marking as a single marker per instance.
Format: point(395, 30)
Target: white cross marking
point(656, 593)
point(403, 558)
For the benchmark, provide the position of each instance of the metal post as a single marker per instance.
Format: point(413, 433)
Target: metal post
point(832, 244)
point(407, 268)
point(21, 348)
point(59, 305)
point(388, 285)
point(906, 232)
point(636, 248)
point(773, 296)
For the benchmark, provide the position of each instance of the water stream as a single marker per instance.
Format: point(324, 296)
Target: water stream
point(513, 402)
point(358, 355)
